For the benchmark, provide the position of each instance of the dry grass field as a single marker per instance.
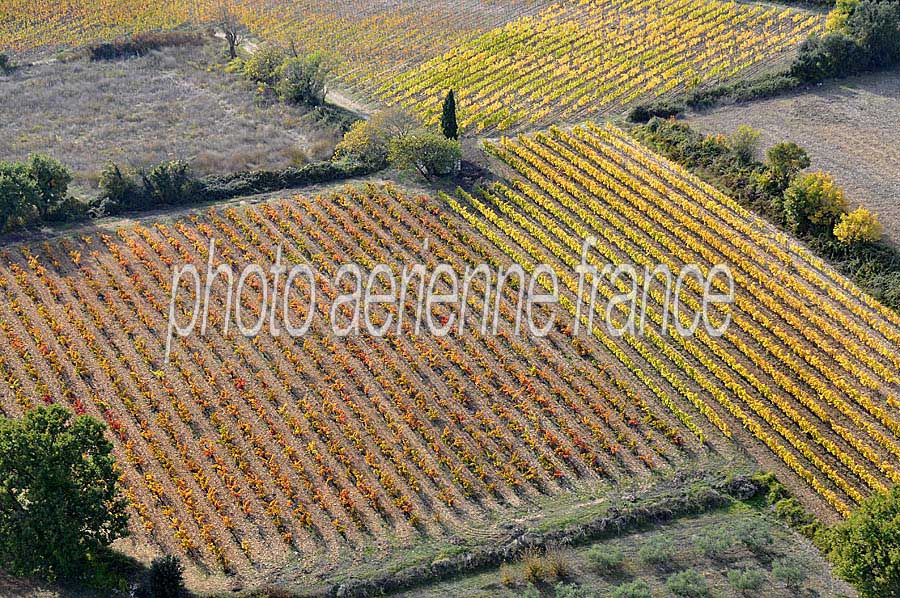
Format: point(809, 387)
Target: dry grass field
point(173, 104)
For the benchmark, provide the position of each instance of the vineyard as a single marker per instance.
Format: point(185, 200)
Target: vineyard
point(329, 443)
point(806, 371)
point(270, 456)
point(322, 443)
point(574, 61)
point(513, 63)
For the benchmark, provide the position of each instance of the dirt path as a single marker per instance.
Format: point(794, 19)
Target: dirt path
point(340, 99)
point(336, 97)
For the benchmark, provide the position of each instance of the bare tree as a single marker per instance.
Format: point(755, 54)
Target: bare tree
point(232, 28)
point(395, 122)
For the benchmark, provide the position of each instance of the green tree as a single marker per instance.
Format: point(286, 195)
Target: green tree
point(262, 66)
point(427, 153)
point(364, 143)
point(60, 505)
point(169, 183)
point(865, 548)
point(303, 79)
point(367, 141)
point(449, 127)
point(742, 143)
point(813, 203)
point(783, 162)
point(875, 24)
point(6, 65)
point(118, 190)
point(165, 579)
point(19, 195)
point(52, 179)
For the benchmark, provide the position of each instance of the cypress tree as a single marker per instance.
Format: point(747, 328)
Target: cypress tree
point(448, 118)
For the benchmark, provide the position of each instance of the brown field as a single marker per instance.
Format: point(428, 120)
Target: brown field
point(849, 129)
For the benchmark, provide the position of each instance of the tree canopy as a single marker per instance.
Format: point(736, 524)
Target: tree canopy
point(865, 548)
point(60, 504)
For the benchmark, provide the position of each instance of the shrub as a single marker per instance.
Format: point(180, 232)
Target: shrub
point(865, 548)
point(218, 188)
point(634, 589)
point(715, 545)
point(754, 534)
point(790, 572)
point(746, 580)
point(795, 516)
point(363, 144)
point(775, 490)
point(859, 226)
point(531, 592)
point(644, 112)
point(688, 584)
point(742, 143)
point(658, 552)
point(169, 183)
point(70, 209)
point(763, 86)
point(427, 153)
point(61, 505)
point(557, 564)
point(561, 590)
point(6, 65)
point(302, 79)
point(507, 575)
point(813, 203)
point(837, 18)
point(532, 567)
point(262, 66)
point(165, 579)
point(552, 565)
point(605, 559)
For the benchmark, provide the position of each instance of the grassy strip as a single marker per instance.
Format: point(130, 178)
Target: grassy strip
point(689, 499)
